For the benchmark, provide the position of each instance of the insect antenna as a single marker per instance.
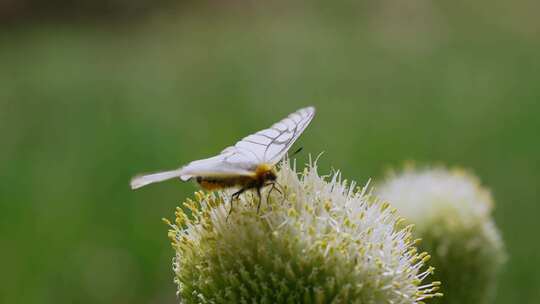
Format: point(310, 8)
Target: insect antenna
point(297, 151)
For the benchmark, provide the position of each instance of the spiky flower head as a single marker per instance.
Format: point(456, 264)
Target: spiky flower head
point(452, 214)
point(318, 241)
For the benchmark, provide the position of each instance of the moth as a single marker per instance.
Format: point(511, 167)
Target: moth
point(249, 164)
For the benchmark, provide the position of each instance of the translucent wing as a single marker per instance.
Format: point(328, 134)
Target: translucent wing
point(228, 163)
point(265, 146)
point(279, 138)
point(210, 167)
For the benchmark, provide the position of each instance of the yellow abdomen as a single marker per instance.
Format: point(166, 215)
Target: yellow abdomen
point(262, 173)
point(211, 185)
point(217, 183)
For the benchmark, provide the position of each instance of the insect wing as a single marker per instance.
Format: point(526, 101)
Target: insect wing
point(282, 135)
point(265, 146)
point(228, 163)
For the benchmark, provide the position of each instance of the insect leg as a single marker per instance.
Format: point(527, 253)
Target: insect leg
point(277, 188)
point(270, 191)
point(273, 184)
point(260, 199)
point(281, 191)
point(235, 195)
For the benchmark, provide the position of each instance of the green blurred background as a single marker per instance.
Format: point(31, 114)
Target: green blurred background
point(92, 93)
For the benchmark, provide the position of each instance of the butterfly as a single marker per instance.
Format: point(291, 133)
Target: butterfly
point(249, 164)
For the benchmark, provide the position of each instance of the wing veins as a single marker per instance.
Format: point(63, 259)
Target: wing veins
point(286, 142)
point(281, 132)
point(245, 154)
point(306, 119)
point(253, 142)
point(265, 136)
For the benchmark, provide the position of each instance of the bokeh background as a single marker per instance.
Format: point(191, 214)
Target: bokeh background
point(93, 92)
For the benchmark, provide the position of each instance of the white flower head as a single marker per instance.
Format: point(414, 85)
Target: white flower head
point(452, 213)
point(421, 195)
point(321, 240)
